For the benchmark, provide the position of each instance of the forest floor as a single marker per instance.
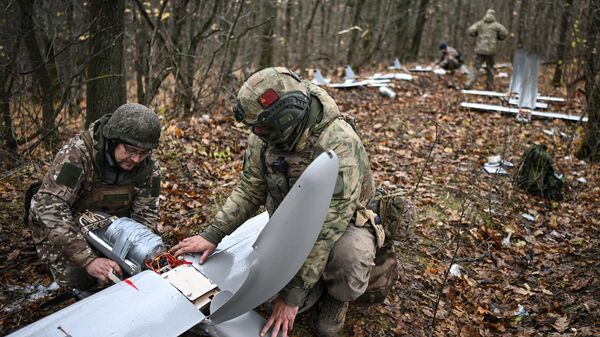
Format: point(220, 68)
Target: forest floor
point(520, 277)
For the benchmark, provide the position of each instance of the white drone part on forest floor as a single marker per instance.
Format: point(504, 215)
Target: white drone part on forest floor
point(348, 84)
point(396, 65)
point(391, 76)
point(456, 270)
point(421, 69)
point(538, 114)
point(439, 71)
point(538, 105)
point(504, 95)
point(349, 73)
point(249, 266)
point(318, 78)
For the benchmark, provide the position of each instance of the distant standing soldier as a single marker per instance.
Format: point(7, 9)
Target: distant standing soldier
point(487, 32)
point(106, 168)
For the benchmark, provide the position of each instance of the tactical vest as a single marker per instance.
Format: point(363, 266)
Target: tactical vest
point(283, 168)
point(100, 196)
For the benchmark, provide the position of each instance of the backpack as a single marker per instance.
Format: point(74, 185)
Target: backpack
point(536, 176)
point(396, 214)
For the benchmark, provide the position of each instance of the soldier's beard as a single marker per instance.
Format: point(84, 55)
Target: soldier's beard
point(126, 164)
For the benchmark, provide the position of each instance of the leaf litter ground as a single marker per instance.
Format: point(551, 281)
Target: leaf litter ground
point(519, 277)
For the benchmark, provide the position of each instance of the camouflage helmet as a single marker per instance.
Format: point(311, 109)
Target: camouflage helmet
point(135, 124)
point(272, 101)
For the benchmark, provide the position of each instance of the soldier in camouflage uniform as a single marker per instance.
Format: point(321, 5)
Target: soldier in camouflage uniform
point(107, 168)
point(450, 58)
point(293, 121)
point(487, 33)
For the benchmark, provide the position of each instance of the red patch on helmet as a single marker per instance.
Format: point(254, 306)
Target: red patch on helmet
point(267, 98)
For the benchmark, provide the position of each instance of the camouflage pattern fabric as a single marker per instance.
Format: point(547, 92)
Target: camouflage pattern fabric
point(489, 71)
point(135, 124)
point(450, 60)
point(348, 271)
point(66, 273)
point(383, 275)
point(536, 176)
point(487, 33)
point(354, 187)
point(73, 175)
point(397, 216)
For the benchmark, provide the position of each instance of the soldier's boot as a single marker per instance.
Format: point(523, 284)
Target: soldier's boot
point(332, 314)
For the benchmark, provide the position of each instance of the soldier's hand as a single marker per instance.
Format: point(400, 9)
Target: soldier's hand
point(194, 244)
point(100, 267)
point(281, 319)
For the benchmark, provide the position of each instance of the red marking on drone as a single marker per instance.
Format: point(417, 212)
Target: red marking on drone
point(267, 98)
point(131, 284)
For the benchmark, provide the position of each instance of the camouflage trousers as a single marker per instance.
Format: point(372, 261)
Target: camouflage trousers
point(351, 260)
point(451, 65)
point(489, 71)
point(65, 272)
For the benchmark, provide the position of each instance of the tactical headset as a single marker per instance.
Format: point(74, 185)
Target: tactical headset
point(279, 112)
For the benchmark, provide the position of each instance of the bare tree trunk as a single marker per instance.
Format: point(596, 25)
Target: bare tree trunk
point(268, 12)
point(401, 27)
point(562, 43)
point(353, 45)
point(140, 62)
point(337, 57)
point(39, 69)
point(68, 64)
point(421, 18)
point(590, 148)
point(10, 39)
point(6, 129)
point(230, 50)
point(305, 35)
point(456, 35)
point(183, 79)
point(367, 57)
point(106, 86)
point(522, 24)
point(191, 65)
point(289, 9)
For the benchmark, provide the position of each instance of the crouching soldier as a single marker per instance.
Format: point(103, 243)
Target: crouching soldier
point(450, 59)
point(107, 168)
point(293, 122)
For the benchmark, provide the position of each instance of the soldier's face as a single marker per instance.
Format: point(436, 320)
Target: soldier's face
point(129, 156)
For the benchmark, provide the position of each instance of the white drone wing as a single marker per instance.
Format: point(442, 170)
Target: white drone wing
point(249, 266)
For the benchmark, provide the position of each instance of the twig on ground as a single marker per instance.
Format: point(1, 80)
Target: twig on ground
point(458, 241)
point(427, 161)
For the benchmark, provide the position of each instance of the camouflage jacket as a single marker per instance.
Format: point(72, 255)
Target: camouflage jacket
point(487, 32)
point(75, 180)
point(353, 190)
point(450, 56)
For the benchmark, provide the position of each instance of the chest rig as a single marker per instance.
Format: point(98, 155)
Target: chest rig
point(110, 198)
point(283, 168)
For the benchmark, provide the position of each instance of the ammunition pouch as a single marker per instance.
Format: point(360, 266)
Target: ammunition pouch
point(395, 215)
